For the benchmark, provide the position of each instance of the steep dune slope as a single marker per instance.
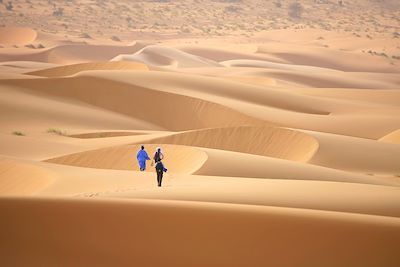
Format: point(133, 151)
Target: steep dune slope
point(266, 141)
point(166, 110)
point(35, 110)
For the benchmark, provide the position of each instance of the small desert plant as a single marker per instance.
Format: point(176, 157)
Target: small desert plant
point(85, 35)
point(115, 38)
point(101, 135)
point(295, 10)
point(278, 4)
point(9, 6)
point(56, 131)
point(59, 12)
point(18, 133)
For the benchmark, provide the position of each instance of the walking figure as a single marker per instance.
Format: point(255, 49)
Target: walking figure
point(142, 157)
point(160, 169)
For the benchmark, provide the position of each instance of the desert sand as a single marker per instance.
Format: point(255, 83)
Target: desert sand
point(280, 126)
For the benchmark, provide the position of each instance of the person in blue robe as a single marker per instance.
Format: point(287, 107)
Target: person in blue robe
point(142, 157)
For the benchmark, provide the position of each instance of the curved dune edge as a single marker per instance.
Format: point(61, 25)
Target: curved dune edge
point(393, 137)
point(181, 159)
point(69, 70)
point(259, 140)
point(161, 56)
point(174, 112)
point(18, 178)
point(17, 35)
point(224, 163)
point(130, 233)
point(74, 53)
point(104, 134)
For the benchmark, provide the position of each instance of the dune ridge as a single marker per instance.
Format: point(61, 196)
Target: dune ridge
point(73, 53)
point(160, 56)
point(189, 112)
point(266, 141)
point(181, 159)
point(393, 137)
point(15, 181)
point(69, 70)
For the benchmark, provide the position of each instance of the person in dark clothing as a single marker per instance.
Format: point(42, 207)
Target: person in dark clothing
point(160, 169)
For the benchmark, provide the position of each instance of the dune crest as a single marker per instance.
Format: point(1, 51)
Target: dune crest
point(393, 137)
point(69, 70)
point(18, 178)
point(267, 141)
point(161, 56)
point(180, 159)
point(73, 53)
point(138, 102)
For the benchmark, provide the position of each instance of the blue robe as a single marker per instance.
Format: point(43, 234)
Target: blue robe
point(142, 157)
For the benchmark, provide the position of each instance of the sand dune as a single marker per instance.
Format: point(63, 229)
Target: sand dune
point(234, 164)
point(24, 66)
point(332, 196)
point(69, 70)
point(266, 141)
point(269, 104)
point(41, 112)
point(260, 234)
point(180, 159)
point(327, 58)
point(224, 54)
point(305, 74)
point(220, 90)
point(371, 96)
point(17, 35)
point(188, 112)
point(393, 137)
point(15, 181)
point(73, 53)
point(356, 154)
point(160, 56)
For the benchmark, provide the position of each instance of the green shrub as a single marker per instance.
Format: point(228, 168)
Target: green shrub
point(57, 131)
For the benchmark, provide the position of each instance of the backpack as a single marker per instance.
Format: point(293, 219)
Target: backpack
point(157, 157)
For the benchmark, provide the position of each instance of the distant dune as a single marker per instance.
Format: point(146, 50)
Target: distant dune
point(17, 35)
point(69, 70)
point(159, 56)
